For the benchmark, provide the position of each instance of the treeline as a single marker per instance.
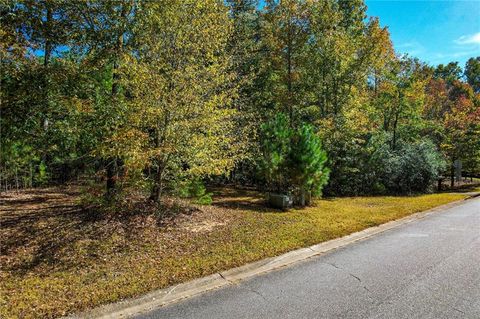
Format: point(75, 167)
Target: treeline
point(162, 95)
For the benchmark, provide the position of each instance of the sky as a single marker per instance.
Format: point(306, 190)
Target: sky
point(435, 31)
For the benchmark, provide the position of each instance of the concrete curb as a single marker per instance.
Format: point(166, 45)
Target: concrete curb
point(162, 297)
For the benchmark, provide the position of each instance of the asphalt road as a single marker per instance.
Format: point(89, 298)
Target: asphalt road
point(426, 269)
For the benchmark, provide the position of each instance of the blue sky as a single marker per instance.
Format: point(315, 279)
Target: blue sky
point(434, 31)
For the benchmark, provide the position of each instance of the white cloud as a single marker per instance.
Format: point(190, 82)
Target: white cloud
point(439, 57)
point(412, 48)
point(469, 39)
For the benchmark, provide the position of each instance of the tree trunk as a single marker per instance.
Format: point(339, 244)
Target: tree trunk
point(157, 189)
point(31, 175)
point(113, 165)
point(16, 178)
point(308, 198)
point(289, 82)
point(394, 138)
point(112, 175)
point(305, 197)
point(48, 44)
point(452, 175)
point(46, 60)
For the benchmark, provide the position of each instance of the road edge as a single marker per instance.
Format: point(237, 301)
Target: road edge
point(158, 298)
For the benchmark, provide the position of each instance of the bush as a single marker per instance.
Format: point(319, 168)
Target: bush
point(293, 159)
point(413, 168)
point(350, 160)
point(194, 188)
point(275, 145)
point(205, 199)
point(367, 165)
point(306, 164)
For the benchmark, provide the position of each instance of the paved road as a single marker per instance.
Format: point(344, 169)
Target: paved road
point(426, 269)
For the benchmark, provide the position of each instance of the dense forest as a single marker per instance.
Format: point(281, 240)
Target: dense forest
point(163, 97)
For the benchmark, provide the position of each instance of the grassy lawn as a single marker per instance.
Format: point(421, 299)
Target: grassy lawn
point(57, 258)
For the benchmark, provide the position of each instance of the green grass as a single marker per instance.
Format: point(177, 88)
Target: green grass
point(56, 261)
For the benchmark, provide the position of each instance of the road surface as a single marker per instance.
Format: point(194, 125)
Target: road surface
point(426, 269)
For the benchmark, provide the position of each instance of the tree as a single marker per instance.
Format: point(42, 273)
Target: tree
point(341, 53)
point(450, 72)
point(180, 119)
point(276, 147)
point(400, 99)
point(105, 31)
point(155, 94)
point(285, 35)
point(244, 49)
point(293, 159)
point(462, 132)
point(39, 91)
point(307, 164)
point(472, 73)
point(453, 122)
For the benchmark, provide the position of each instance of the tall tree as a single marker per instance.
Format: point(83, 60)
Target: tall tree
point(401, 98)
point(244, 48)
point(36, 100)
point(450, 72)
point(105, 37)
point(180, 119)
point(472, 73)
point(285, 35)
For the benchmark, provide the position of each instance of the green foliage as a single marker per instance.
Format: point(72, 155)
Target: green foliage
point(412, 168)
point(275, 145)
point(472, 73)
point(450, 72)
point(306, 162)
point(190, 188)
point(371, 166)
point(21, 166)
point(42, 176)
point(205, 199)
point(293, 159)
point(193, 188)
point(144, 94)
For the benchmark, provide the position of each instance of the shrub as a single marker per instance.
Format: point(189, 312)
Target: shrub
point(293, 159)
point(413, 168)
point(366, 164)
point(350, 160)
point(189, 188)
point(205, 199)
point(194, 188)
point(42, 177)
point(275, 145)
point(306, 164)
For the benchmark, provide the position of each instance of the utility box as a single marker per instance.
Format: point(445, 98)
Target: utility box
point(281, 201)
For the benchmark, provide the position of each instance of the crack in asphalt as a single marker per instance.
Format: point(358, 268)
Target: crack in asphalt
point(243, 287)
point(369, 291)
point(254, 291)
point(462, 312)
point(350, 274)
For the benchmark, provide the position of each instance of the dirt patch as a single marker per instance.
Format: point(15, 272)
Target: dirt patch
point(205, 226)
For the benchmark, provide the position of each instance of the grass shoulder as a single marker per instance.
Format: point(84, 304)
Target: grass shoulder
point(58, 258)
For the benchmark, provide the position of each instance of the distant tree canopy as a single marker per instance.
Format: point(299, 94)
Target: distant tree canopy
point(149, 95)
point(472, 73)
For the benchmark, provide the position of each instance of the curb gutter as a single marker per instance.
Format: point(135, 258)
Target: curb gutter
point(162, 297)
